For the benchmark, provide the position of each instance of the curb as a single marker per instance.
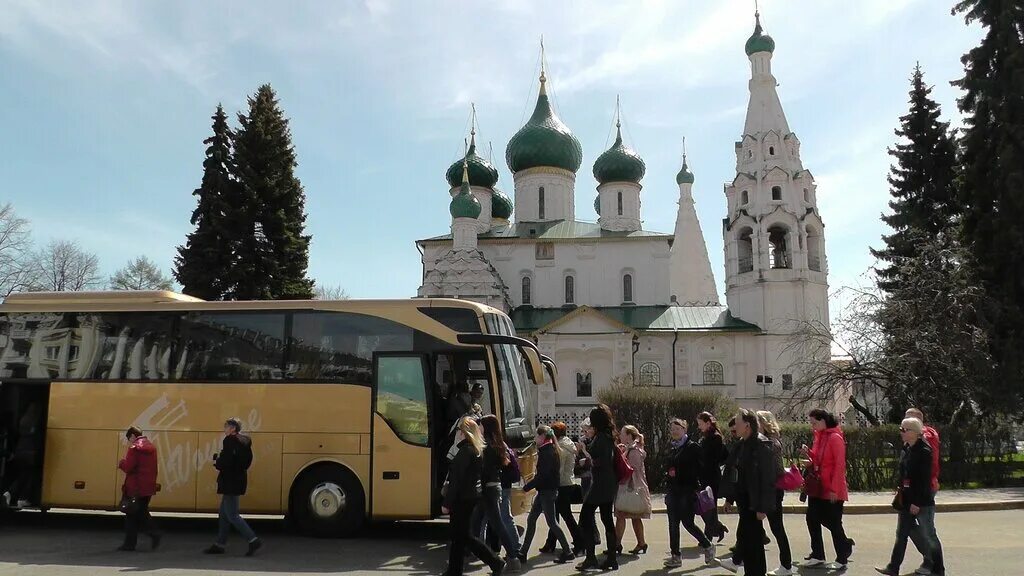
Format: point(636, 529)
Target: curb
point(859, 509)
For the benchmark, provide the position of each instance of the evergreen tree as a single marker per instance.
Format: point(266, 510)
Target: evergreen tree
point(922, 183)
point(140, 274)
point(273, 251)
point(993, 176)
point(203, 265)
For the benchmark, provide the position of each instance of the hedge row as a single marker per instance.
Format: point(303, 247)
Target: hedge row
point(981, 454)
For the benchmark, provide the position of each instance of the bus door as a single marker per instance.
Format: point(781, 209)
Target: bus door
point(401, 466)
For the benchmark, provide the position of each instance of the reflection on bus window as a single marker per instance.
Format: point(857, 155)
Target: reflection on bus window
point(230, 346)
point(339, 346)
point(36, 345)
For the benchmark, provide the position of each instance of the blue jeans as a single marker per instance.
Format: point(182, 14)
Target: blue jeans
point(488, 513)
point(229, 517)
point(543, 503)
point(507, 520)
point(921, 531)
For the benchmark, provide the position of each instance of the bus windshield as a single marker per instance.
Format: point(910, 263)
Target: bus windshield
point(516, 392)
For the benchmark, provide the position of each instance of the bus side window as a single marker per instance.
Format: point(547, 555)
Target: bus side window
point(402, 397)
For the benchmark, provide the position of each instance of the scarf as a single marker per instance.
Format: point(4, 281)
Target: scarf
point(679, 443)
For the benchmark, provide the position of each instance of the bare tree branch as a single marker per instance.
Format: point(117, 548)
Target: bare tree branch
point(63, 266)
point(17, 269)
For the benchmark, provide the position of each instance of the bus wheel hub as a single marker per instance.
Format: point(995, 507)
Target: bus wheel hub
point(327, 500)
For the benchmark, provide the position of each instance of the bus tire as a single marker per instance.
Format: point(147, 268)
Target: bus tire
point(327, 501)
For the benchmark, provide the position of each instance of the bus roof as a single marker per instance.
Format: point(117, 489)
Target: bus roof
point(146, 300)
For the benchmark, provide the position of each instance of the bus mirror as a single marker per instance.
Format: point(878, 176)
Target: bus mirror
point(534, 366)
point(552, 370)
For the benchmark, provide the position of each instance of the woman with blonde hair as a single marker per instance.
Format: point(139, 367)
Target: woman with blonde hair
point(461, 497)
point(769, 426)
point(634, 498)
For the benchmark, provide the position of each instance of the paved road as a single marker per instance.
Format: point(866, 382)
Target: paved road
point(976, 544)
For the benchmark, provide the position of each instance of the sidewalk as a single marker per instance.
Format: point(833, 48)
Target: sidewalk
point(982, 499)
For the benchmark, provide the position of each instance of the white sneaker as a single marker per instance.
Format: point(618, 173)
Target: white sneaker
point(7, 499)
point(674, 561)
point(811, 563)
point(24, 504)
point(729, 565)
point(782, 571)
point(922, 571)
point(835, 566)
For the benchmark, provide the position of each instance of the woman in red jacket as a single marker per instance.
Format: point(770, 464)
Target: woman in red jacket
point(140, 468)
point(825, 501)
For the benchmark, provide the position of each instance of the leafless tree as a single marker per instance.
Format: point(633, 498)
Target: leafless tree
point(63, 266)
point(324, 292)
point(140, 274)
point(17, 268)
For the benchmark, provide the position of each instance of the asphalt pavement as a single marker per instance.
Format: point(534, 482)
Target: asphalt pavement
point(59, 544)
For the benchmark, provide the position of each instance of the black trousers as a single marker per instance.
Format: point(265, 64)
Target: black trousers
point(139, 521)
point(779, 531)
point(460, 525)
point(750, 542)
point(588, 526)
point(681, 508)
point(563, 506)
point(829, 514)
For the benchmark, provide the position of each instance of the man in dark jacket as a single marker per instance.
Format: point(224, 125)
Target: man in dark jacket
point(232, 481)
point(916, 500)
point(140, 470)
point(684, 469)
point(754, 490)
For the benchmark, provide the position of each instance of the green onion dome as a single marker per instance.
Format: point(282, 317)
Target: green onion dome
point(464, 204)
point(544, 141)
point(619, 163)
point(481, 173)
point(501, 205)
point(684, 176)
point(597, 205)
point(758, 41)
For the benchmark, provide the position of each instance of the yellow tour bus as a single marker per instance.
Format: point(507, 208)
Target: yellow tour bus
point(350, 404)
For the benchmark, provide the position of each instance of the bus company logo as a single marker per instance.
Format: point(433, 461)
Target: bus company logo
point(180, 459)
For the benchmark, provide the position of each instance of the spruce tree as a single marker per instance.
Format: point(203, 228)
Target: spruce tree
point(203, 265)
point(993, 176)
point(273, 251)
point(921, 183)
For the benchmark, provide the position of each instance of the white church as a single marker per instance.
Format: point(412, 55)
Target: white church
point(613, 303)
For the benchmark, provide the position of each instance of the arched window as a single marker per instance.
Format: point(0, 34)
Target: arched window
point(584, 385)
point(714, 375)
point(807, 195)
point(527, 290)
point(620, 203)
point(750, 153)
point(627, 287)
point(570, 290)
point(650, 374)
point(776, 192)
point(814, 249)
point(744, 198)
point(540, 203)
point(778, 244)
point(745, 250)
point(771, 150)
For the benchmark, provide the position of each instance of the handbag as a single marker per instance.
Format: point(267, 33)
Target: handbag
point(630, 501)
point(812, 478)
point(575, 494)
point(897, 500)
point(129, 505)
point(791, 479)
point(705, 501)
point(623, 471)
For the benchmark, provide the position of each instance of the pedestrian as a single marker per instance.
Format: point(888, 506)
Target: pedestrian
point(546, 482)
point(461, 496)
point(494, 459)
point(25, 460)
point(232, 465)
point(140, 470)
point(603, 452)
point(734, 561)
point(826, 490)
point(712, 456)
point(915, 501)
point(684, 469)
point(633, 501)
point(756, 476)
point(769, 426)
point(921, 540)
point(584, 472)
point(569, 492)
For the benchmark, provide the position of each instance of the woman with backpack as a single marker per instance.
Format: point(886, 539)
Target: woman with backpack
point(634, 499)
point(496, 458)
point(605, 485)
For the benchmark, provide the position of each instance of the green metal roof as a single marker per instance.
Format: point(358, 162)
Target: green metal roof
point(544, 141)
point(619, 163)
point(759, 41)
point(648, 318)
point(481, 173)
point(557, 230)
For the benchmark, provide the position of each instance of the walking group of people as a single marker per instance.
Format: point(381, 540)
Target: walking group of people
point(748, 473)
point(140, 467)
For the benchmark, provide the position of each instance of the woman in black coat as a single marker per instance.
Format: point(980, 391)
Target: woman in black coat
point(462, 496)
point(683, 471)
point(604, 487)
point(712, 456)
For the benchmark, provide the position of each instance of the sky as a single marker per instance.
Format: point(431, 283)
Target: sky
point(104, 106)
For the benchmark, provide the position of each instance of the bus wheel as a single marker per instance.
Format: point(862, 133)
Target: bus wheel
point(327, 501)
